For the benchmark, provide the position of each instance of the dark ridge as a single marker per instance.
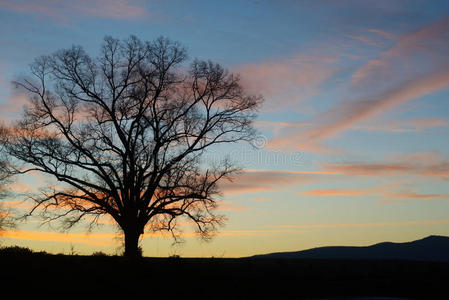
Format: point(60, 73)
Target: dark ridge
point(431, 248)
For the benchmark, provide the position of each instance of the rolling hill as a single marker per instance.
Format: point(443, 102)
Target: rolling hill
point(431, 248)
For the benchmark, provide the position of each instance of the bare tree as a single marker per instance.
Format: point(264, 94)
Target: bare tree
point(125, 133)
point(6, 220)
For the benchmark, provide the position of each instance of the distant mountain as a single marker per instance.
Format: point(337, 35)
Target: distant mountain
point(431, 248)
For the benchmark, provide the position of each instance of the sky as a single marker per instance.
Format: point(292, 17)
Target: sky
point(353, 137)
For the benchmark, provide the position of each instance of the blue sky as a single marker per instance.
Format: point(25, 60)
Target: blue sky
point(353, 134)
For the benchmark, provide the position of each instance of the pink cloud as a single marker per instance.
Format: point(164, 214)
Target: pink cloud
point(336, 120)
point(278, 126)
point(382, 33)
point(418, 196)
point(289, 80)
point(407, 194)
point(113, 9)
point(414, 125)
point(372, 37)
point(416, 53)
point(366, 40)
point(391, 193)
point(424, 51)
point(255, 181)
point(421, 165)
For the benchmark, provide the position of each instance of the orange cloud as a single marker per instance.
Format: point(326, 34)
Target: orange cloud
point(20, 187)
point(18, 204)
point(335, 192)
point(226, 206)
point(385, 192)
point(369, 169)
point(260, 199)
point(12, 105)
point(98, 239)
point(109, 239)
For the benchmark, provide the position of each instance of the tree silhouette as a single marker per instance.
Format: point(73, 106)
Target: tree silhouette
point(125, 133)
point(6, 220)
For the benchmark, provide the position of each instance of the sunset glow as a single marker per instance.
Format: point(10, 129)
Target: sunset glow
point(352, 145)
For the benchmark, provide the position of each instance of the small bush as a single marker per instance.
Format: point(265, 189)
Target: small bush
point(15, 250)
point(99, 254)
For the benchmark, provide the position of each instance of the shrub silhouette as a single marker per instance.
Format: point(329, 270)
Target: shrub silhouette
point(15, 250)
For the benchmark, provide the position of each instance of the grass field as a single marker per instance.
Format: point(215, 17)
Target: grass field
point(38, 274)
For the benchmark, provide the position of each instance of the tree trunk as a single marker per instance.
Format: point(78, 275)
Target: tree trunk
point(132, 249)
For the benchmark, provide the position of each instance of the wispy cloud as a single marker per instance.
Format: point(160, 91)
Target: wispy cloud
point(254, 181)
point(255, 232)
point(416, 66)
point(112, 9)
point(407, 195)
point(97, 239)
point(366, 40)
point(414, 55)
point(424, 165)
point(382, 33)
point(288, 80)
point(17, 204)
point(335, 192)
point(227, 206)
point(373, 37)
point(391, 193)
point(261, 199)
point(367, 224)
point(111, 239)
point(341, 118)
point(398, 126)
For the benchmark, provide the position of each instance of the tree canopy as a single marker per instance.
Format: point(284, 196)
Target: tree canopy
point(124, 133)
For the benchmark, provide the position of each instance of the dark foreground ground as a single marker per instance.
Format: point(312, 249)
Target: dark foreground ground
point(62, 277)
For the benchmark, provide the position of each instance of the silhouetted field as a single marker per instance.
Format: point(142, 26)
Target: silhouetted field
point(34, 274)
